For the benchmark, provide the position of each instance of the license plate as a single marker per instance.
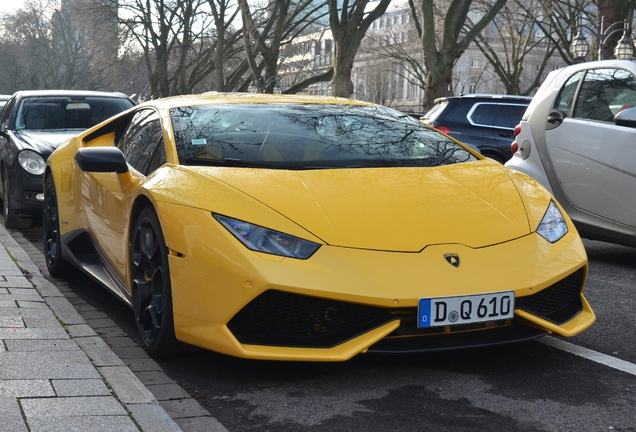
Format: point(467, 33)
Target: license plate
point(442, 311)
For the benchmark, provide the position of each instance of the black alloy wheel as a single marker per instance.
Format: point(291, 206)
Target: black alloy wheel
point(151, 290)
point(55, 262)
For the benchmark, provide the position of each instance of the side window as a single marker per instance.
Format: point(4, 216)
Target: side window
point(6, 111)
point(142, 143)
point(603, 93)
point(566, 95)
point(620, 90)
point(502, 119)
point(516, 113)
point(483, 114)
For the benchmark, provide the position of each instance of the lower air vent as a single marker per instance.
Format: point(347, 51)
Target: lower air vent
point(285, 319)
point(557, 303)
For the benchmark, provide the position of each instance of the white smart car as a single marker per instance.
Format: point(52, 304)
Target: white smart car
point(578, 138)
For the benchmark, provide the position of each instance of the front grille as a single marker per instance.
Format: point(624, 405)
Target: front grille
point(557, 303)
point(285, 319)
point(278, 318)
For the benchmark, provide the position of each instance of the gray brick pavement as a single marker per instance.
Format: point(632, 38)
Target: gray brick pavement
point(65, 366)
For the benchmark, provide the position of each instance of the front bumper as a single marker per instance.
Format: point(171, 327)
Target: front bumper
point(27, 195)
point(342, 301)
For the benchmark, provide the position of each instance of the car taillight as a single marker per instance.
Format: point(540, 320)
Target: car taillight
point(443, 129)
point(520, 150)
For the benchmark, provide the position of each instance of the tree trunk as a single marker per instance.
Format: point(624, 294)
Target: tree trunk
point(439, 80)
point(613, 11)
point(341, 84)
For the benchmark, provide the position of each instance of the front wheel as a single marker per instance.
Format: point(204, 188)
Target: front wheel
point(55, 262)
point(11, 218)
point(151, 290)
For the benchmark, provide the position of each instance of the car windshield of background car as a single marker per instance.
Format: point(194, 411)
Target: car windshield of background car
point(316, 136)
point(434, 112)
point(60, 113)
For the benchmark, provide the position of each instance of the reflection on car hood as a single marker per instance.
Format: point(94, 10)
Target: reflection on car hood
point(394, 209)
point(43, 142)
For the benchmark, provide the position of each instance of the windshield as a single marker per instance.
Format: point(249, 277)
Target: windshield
point(308, 137)
point(63, 112)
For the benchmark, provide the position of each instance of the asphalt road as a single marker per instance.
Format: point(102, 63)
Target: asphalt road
point(522, 387)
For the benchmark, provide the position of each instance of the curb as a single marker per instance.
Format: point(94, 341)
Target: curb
point(156, 402)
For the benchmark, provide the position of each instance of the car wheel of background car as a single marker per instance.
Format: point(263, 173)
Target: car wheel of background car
point(55, 262)
point(11, 218)
point(151, 290)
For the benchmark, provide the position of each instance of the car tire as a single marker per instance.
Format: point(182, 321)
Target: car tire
point(55, 263)
point(151, 290)
point(11, 218)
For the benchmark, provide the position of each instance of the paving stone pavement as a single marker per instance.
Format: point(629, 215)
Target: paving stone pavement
point(65, 366)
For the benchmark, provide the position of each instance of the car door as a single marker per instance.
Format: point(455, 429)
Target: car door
point(110, 207)
point(507, 117)
point(482, 116)
point(594, 159)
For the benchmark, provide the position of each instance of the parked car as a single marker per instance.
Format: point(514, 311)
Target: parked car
point(484, 121)
point(577, 139)
point(309, 228)
point(32, 125)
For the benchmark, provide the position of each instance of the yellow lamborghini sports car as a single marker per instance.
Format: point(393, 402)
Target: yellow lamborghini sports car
point(309, 228)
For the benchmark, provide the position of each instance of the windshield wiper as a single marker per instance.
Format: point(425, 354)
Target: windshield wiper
point(232, 162)
point(218, 162)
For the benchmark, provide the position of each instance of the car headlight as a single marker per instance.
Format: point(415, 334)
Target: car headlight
point(265, 240)
point(553, 226)
point(32, 162)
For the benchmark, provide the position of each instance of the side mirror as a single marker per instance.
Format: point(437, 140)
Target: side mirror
point(101, 159)
point(626, 117)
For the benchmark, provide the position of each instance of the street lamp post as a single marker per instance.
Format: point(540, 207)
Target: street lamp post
point(264, 82)
point(624, 48)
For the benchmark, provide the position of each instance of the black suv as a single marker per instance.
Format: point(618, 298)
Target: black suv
point(480, 120)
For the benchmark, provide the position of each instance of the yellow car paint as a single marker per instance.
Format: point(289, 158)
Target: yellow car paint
point(383, 234)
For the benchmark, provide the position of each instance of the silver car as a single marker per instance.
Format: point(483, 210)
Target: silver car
point(578, 138)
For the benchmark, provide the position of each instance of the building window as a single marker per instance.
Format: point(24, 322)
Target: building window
point(474, 63)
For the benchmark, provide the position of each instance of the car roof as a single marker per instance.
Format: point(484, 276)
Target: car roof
point(249, 98)
point(486, 96)
point(72, 93)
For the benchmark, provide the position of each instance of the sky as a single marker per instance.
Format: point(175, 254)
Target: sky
point(10, 5)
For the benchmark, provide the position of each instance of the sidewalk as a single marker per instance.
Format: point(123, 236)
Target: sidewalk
point(58, 374)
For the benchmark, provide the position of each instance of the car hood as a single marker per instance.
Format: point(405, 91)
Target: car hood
point(392, 209)
point(43, 142)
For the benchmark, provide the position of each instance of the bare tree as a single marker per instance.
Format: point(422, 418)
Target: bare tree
point(379, 83)
point(512, 42)
point(276, 24)
point(349, 23)
point(45, 49)
point(557, 20)
point(443, 47)
point(224, 14)
point(164, 30)
point(399, 46)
